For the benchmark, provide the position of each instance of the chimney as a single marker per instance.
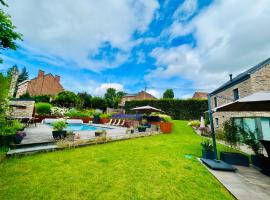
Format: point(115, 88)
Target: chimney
point(57, 78)
point(40, 73)
point(230, 77)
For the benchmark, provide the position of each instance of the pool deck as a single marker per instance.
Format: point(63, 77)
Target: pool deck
point(42, 133)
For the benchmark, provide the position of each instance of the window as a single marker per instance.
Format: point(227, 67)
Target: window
point(235, 94)
point(217, 124)
point(215, 101)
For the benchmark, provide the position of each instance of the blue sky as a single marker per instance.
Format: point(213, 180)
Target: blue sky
point(188, 45)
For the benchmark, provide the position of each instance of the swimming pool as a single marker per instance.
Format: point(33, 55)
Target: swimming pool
point(83, 127)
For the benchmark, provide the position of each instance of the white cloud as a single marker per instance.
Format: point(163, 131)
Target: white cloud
point(154, 92)
point(73, 31)
point(185, 10)
point(231, 36)
point(101, 90)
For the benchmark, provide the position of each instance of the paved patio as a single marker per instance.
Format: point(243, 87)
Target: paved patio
point(42, 133)
point(246, 183)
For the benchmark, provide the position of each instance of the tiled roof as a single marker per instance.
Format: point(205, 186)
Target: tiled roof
point(200, 95)
point(241, 77)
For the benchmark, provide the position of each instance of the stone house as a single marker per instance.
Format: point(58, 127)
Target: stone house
point(43, 84)
point(251, 81)
point(138, 96)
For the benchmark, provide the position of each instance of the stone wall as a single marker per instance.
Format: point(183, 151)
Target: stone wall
point(22, 108)
point(258, 81)
point(22, 89)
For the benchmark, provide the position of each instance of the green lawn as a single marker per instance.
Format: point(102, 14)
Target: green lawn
point(146, 168)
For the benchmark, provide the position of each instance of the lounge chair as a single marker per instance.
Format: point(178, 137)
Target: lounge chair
point(109, 123)
point(118, 123)
point(115, 122)
point(123, 123)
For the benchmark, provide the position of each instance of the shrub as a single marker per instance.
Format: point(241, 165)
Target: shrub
point(59, 125)
point(42, 98)
point(220, 134)
point(10, 127)
point(66, 99)
point(207, 145)
point(25, 96)
point(165, 118)
point(231, 135)
point(56, 111)
point(194, 123)
point(104, 115)
point(176, 108)
point(76, 113)
point(43, 108)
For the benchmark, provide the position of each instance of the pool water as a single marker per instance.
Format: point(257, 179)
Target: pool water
point(83, 127)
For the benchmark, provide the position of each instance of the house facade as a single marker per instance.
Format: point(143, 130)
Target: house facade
point(139, 96)
point(43, 84)
point(251, 81)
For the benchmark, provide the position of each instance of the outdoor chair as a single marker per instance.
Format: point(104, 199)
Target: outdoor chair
point(110, 122)
point(123, 123)
point(118, 123)
point(115, 122)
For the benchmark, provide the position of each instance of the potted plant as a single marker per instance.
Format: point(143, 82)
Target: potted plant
point(207, 150)
point(99, 133)
point(8, 132)
point(231, 136)
point(141, 128)
point(249, 138)
point(58, 129)
point(104, 118)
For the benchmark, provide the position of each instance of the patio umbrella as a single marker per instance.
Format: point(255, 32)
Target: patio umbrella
point(146, 109)
point(259, 101)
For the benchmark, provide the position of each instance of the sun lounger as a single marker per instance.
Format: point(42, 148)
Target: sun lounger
point(123, 123)
point(109, 123)
point(115, 122)
point(118, 123)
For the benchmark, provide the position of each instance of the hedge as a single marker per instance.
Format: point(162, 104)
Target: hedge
point(177, 108)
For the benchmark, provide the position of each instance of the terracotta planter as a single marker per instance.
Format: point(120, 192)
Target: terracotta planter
point(166, 127)
point(104, 120)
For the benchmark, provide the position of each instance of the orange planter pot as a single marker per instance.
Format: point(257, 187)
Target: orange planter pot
point(165, 127)
point(104, 120)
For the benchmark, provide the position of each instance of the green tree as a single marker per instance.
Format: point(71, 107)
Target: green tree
point(168, 94)
point(98, 103)
point(11, 69)
point(23, 75)
point(66, 99)
point(85, 99)
point(7, 34)
point(113, 98)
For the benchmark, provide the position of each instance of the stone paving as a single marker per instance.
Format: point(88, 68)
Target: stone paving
point(42, 133)
point(246, 183)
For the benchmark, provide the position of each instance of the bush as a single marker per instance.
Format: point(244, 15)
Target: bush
point(42, 98)
point(165, 118)
point(10, 127)
point(207, 145)
point(194, 123)
point(76, 113)
point(104, 115)
point(66, 99)
point(176, 108)
point(56, 111)
point(59, 125)
point(231, 135)
point(220, 134)
point(43, 108)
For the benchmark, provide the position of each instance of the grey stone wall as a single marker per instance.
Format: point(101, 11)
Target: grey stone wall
point(21, 108)
point(258, 81)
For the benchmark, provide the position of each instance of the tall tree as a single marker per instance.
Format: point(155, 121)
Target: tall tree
point(23, 75)
point(168, 94)
point(7, 34)
point(113, 98)
point(11, 69)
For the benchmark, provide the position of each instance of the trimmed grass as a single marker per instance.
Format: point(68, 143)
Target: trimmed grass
point(145, 168)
